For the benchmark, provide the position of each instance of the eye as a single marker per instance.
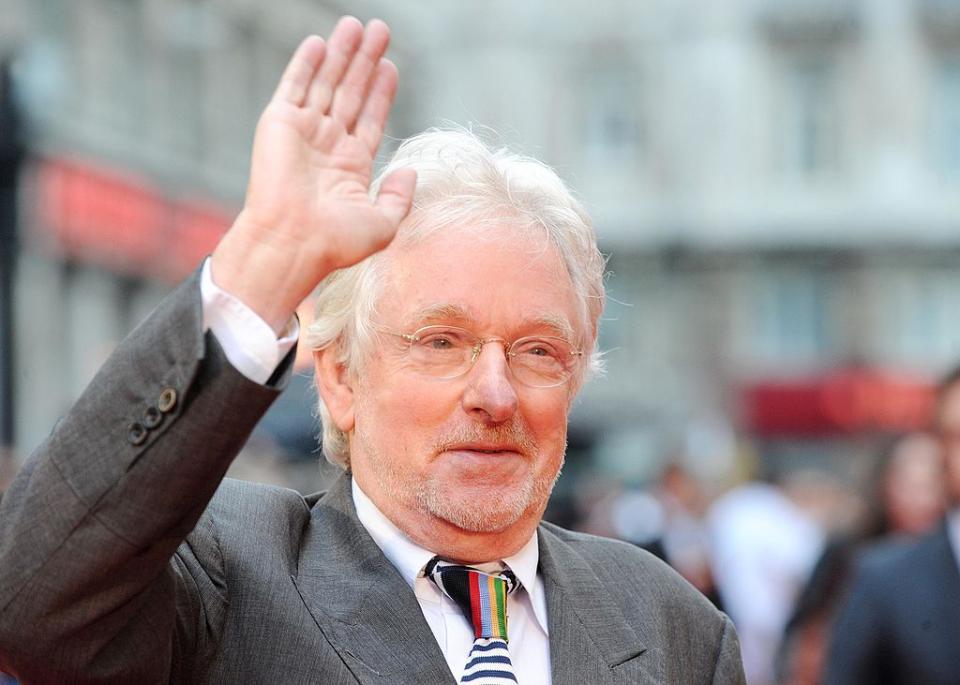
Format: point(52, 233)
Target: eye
point(441, 340)
point(538, 348)
point(438, 342)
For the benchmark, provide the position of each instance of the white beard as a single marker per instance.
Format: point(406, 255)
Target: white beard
point(494, 511)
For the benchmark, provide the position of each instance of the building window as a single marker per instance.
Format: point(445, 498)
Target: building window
point(790, 316)
point(193, 30)
point(812, 118)
point(113, 55)
point(946, 112)
point(925, 321)
point(611, 125)
point(187, 107)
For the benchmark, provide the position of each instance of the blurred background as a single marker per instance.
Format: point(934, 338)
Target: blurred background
point(775, 183)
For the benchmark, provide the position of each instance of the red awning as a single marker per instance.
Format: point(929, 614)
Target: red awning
point(839, 402)
point(120, 221)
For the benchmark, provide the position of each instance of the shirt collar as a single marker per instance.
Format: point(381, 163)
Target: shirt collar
point(410, 558)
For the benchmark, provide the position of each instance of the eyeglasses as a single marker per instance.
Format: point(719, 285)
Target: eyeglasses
point(539, 361)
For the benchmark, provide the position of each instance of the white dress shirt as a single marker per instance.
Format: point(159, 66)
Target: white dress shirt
point(248, 342)
point(254, 350)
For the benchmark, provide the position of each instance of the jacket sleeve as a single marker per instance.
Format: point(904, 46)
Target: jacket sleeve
point(91, 589)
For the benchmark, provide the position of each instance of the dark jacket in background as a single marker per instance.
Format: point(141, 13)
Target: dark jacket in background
point(901, 620)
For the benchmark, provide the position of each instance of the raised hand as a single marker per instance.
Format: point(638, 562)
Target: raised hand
point(308, 210)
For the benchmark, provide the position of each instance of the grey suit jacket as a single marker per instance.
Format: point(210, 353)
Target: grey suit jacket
point(901, 620)
point(126, 558)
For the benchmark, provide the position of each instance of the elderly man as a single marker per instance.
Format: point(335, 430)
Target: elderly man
point(450, 339)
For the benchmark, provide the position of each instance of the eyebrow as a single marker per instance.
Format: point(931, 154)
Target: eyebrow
point(440, 312)
point(446, 312)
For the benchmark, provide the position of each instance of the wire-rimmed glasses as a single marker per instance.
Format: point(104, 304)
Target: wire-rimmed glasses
point(443, 352)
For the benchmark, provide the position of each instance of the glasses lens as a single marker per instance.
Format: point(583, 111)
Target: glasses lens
point(541, 362)
point(442, 351)
point(448, 352)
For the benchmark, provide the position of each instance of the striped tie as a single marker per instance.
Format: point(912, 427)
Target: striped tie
point(483, 600)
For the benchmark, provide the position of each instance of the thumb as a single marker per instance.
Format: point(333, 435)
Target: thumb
point(396, 194)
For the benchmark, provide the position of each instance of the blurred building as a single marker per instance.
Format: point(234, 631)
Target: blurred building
point(776, 182)
point(141, 119)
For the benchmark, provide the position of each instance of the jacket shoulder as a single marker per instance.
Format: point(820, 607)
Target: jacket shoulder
point(892, 558)
point(245, 518)
point(683, 636)
point(642, 580)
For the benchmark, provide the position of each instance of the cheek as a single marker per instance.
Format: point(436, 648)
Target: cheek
point(406, 409)
point(548, 422)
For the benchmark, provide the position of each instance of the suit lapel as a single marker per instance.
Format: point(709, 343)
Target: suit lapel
point(360, 602)
point(371, 617)
point(590, 640)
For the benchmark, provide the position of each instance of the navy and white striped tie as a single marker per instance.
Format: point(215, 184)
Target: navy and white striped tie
point(482, 597)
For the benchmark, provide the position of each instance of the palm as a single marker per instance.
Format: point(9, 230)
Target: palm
point(314, 177)
point(308, 209)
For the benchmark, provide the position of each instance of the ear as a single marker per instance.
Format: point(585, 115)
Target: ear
point(335, 387)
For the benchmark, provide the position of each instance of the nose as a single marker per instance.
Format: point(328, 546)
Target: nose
point(490, 396)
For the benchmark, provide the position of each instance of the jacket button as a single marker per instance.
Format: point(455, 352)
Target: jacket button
point(152, 417)
point(167, 400)
point(136, 434)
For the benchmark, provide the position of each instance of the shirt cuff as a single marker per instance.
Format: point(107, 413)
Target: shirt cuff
point(248, 341)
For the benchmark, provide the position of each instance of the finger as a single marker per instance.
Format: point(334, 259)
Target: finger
point(352, 92)
point(396, 194)
point(341, 48)
point(373, 117)
point(299, 71)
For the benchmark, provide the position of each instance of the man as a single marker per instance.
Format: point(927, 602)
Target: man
point(901, 620)
point(447, 359)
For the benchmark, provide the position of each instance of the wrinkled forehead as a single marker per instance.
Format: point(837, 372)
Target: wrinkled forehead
point(480, 277)
point(462, 315)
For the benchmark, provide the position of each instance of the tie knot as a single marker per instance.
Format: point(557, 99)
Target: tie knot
point(482, 597)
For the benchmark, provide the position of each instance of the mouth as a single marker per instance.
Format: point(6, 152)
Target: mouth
point(484, 448)
point(483, 464)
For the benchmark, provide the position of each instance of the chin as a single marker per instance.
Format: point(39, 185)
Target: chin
point(476, 519)
point(483, 509)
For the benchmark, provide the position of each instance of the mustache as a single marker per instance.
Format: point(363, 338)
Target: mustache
point(513, 433)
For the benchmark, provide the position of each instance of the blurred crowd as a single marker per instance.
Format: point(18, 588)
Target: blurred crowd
point(779, 552)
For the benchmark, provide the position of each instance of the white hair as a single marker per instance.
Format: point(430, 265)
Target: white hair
point(463, 182)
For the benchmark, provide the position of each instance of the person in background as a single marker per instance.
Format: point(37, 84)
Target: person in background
point(910, 493)
point(900, 622)
point(763, 547)
point(907, 500)
point(686, 543)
